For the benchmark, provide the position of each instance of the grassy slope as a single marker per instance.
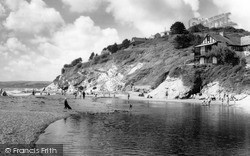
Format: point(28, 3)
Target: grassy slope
point(161, 59)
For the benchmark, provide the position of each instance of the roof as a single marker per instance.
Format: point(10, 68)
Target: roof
point(201, 45)
point(220, 38)
point(228, 39)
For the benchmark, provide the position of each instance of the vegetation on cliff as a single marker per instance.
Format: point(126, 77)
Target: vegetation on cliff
point(151, 62)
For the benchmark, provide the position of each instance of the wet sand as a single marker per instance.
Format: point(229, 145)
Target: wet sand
point(23, 119)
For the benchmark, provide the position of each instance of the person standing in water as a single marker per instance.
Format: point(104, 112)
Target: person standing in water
point(66, 104)
point(128, 96)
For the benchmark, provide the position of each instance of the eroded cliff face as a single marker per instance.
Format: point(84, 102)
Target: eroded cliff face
point(157, 64)
point(171, 88)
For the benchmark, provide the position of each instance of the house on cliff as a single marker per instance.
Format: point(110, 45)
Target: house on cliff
point(239, 44)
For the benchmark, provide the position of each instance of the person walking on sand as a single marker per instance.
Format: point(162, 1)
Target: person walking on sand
point(83, 94)
point(228, 99)
point(128, 96)
point(66, 104)
point(209, 101)
point(223, 98)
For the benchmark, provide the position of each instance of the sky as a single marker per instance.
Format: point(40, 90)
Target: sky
point(37, 37)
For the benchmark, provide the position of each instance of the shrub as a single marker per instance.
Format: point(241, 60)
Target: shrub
point(125, 43)
point(224, 55)
point(198, 28)
point(92, 55)
point(67, 66)
point(76, 61)
point(186, 40)
point(113, 48)
point(62, 71)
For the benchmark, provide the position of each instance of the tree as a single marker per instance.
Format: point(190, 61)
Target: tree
point(113, 48)
point(178, 28)
point(125, 43)
point(186, 40)
point(91, 56)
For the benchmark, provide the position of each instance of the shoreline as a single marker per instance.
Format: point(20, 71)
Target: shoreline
point(24, 119)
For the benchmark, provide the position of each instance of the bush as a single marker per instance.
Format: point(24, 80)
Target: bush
point(67, 66)
point(224, 55)
point(76, 61)
point(125, 43)
point(198, 28)
point(92, 55)
point(113, 48)
point(186, 40)
point(62, 71)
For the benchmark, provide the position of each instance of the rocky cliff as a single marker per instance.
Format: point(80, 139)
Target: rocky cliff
point(169, 72)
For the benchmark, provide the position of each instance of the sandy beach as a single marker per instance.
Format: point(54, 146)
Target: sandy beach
point(24, 118)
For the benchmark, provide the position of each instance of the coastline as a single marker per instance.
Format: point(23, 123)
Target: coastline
point(243, 103)
point(24, 118)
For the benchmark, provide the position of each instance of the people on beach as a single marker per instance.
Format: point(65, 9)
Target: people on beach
point(207, 101)
point(33, 92)
point(234, 99)
point(83, 94)
point(4, 93)
point(1, 92)
point(130, 106)
point(228, 99)
point(66, 104)
point(223, 98)
point(128, 96)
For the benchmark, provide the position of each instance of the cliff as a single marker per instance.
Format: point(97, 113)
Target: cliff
point(155, 67)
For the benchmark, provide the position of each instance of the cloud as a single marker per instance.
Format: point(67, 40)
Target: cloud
point(2, 10)
point(82, 5)
point(83, 37)
point(194, 5)
point(21, 63)
point(239, 9)
point(42, 58)
point(34, 17)
point(150, 16)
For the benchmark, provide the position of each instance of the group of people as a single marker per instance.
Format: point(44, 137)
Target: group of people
point(80, 93)
point(225, 99)
point(3, 93)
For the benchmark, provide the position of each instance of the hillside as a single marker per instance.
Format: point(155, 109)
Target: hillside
point(156, 66)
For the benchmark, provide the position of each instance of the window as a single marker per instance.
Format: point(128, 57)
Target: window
point(208, 39)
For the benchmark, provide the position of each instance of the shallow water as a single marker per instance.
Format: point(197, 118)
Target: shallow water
point(153, 129)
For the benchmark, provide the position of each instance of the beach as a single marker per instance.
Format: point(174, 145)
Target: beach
point(24, 118)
